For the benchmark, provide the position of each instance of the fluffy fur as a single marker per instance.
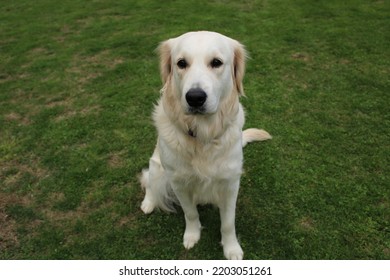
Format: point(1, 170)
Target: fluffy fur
point(198, 157)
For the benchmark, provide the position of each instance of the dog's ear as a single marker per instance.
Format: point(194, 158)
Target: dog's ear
point(164, 49)
point(240, 56)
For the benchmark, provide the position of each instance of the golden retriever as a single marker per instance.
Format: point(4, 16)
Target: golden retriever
point(198, 157)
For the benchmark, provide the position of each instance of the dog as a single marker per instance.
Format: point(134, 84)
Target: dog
point(198, 157)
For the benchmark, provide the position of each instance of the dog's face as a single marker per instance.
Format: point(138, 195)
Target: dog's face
point(203, 68)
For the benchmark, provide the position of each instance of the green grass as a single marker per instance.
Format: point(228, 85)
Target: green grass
point(78, 80)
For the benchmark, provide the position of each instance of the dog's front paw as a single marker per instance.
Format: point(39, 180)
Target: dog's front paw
point(147, 206)
point(233, 251)
point(192, 232)
point(190, 239)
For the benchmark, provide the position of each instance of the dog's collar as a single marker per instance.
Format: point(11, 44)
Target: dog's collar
point(191, 133)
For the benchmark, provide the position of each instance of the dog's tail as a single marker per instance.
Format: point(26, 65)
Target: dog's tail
point(254, 134)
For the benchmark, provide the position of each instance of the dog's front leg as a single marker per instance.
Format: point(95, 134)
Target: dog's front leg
point(227, 208)
point(193, 226)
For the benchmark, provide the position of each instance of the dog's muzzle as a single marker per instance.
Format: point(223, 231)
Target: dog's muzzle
point(196, 98)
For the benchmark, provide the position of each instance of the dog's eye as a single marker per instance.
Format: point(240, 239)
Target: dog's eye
point(182, 64)
point(216, 63)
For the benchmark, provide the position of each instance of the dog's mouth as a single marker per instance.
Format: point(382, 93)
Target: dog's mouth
point(196, 110)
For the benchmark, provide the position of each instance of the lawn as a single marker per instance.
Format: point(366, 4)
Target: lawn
point(78, 80)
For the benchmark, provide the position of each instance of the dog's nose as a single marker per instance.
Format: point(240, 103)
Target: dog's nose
point(196, 97)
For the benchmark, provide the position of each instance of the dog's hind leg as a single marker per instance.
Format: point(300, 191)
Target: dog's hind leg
point(158, 193)
point(148, 179)
point(148, 204)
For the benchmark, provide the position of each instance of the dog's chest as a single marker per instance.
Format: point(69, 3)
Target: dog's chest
point(214, 161)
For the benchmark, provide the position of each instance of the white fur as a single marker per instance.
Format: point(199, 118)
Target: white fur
point(198, 157)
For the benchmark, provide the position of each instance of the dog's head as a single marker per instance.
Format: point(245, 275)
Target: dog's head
point(202, 68)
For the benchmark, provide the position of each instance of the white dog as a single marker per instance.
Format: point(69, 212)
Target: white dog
point(198, 157)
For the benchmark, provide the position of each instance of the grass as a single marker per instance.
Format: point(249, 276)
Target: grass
point(78, 80)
